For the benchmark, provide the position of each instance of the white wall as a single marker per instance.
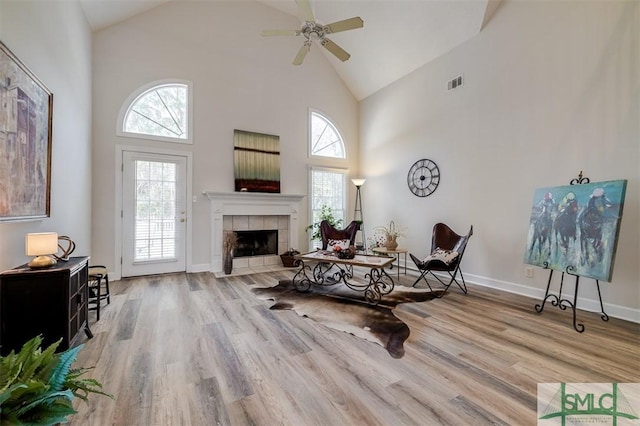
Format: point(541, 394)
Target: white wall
point(53, 39)
point(550, 89)
point(240, 80)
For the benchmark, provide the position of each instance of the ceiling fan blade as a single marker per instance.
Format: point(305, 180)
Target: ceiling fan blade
point(338, 51)
point(302, 53)
point(267, 33)
point(345, 25)
point(304, 11)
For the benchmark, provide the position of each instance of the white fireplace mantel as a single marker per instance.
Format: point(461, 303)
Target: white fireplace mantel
point(248, 204)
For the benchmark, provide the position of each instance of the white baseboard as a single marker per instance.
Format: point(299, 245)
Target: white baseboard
point(202, 267)
point(584, 304)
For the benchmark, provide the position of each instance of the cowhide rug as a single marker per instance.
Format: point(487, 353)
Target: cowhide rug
point(343, 309)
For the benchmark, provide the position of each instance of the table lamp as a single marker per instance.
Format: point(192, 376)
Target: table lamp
point(41, 245)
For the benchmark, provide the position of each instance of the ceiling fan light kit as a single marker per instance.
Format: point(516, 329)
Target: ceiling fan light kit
point(312, 31)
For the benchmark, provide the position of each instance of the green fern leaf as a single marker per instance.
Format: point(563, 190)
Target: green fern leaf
point(10, 373)
point(49, 414)
point(43, 362)
point(56, 381)
point(12, 365)
point(29, 351)
point(5, 395)
point(83, 387)
point(7, 370)
point(74, 373)
point(44, 400)
point(25, 393)
point(49, 363)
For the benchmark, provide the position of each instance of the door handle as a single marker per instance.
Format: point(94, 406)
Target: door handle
point(183, 220)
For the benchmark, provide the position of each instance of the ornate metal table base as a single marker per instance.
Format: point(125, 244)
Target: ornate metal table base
point(566, 303)
point(379, 282)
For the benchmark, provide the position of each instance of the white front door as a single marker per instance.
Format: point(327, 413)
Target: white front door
point(153, 213)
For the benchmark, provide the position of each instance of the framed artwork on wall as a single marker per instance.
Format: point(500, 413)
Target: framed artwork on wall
point(256, 162)
point(25, 141)
point(574, 228)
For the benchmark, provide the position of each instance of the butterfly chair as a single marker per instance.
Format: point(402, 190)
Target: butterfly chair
point(332, 238)
point(447, 249)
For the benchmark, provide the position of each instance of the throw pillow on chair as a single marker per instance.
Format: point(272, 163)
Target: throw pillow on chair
point(444, 256)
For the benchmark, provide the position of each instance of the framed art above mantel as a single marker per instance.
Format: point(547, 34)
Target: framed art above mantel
point(256, 162)
point(25, 141)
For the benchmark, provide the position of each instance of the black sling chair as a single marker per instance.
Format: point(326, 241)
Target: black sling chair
point(445, 239)
point(329, 232)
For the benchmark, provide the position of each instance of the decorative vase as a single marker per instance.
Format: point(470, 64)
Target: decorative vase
point(391, 243)
point(228, 262)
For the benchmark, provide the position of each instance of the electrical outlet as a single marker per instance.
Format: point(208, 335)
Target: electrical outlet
point(528, 272)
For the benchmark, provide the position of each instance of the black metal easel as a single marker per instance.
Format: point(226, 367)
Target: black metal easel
point(564, 303)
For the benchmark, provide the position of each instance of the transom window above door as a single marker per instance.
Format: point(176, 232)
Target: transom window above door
point(159, 111)
point(324, 138)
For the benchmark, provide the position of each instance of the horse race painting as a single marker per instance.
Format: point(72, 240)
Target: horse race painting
point(574, 228)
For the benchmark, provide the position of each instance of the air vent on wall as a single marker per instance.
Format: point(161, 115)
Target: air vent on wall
point(455, 83)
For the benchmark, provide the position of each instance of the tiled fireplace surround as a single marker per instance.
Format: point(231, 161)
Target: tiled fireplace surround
point(250, 211)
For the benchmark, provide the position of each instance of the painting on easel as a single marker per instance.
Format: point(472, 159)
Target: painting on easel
point(574, 228)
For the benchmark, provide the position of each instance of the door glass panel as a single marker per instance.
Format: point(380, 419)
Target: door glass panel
point(155, 231)
point(328, 189)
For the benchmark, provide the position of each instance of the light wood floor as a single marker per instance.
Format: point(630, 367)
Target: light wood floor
point(190, 349)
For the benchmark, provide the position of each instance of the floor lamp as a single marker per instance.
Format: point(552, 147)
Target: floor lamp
point(357, 214)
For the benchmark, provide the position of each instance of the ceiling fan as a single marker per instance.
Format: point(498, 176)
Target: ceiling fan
point(312, 31)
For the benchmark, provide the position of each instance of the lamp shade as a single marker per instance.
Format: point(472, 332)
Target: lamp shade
point(358, 181)
point(42, 243)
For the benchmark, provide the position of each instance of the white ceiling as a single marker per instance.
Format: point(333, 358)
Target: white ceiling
point(398, 37)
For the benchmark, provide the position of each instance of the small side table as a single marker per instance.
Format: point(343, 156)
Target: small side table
point(396, 253)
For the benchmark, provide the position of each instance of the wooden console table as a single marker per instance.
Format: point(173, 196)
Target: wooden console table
point(50, 301)
point(330, 270)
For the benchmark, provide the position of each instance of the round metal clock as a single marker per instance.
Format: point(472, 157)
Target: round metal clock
point(423, 177)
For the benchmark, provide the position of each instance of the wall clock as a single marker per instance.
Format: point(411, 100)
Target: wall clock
point(423, 177)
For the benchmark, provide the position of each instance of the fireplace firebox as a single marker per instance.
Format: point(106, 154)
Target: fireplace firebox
point(256, 243)
point(234, 211)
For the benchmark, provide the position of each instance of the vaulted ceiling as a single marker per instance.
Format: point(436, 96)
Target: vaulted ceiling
point(398, 37)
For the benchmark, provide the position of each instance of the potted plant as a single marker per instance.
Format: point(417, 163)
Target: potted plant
point(326, 213)
point(38, 386)
point(288, 257)
point(391, 233)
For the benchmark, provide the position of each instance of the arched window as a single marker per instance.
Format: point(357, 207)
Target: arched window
point(324, 138)
point(159, 111)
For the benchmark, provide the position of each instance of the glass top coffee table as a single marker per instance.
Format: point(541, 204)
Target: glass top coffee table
point(329, 269)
